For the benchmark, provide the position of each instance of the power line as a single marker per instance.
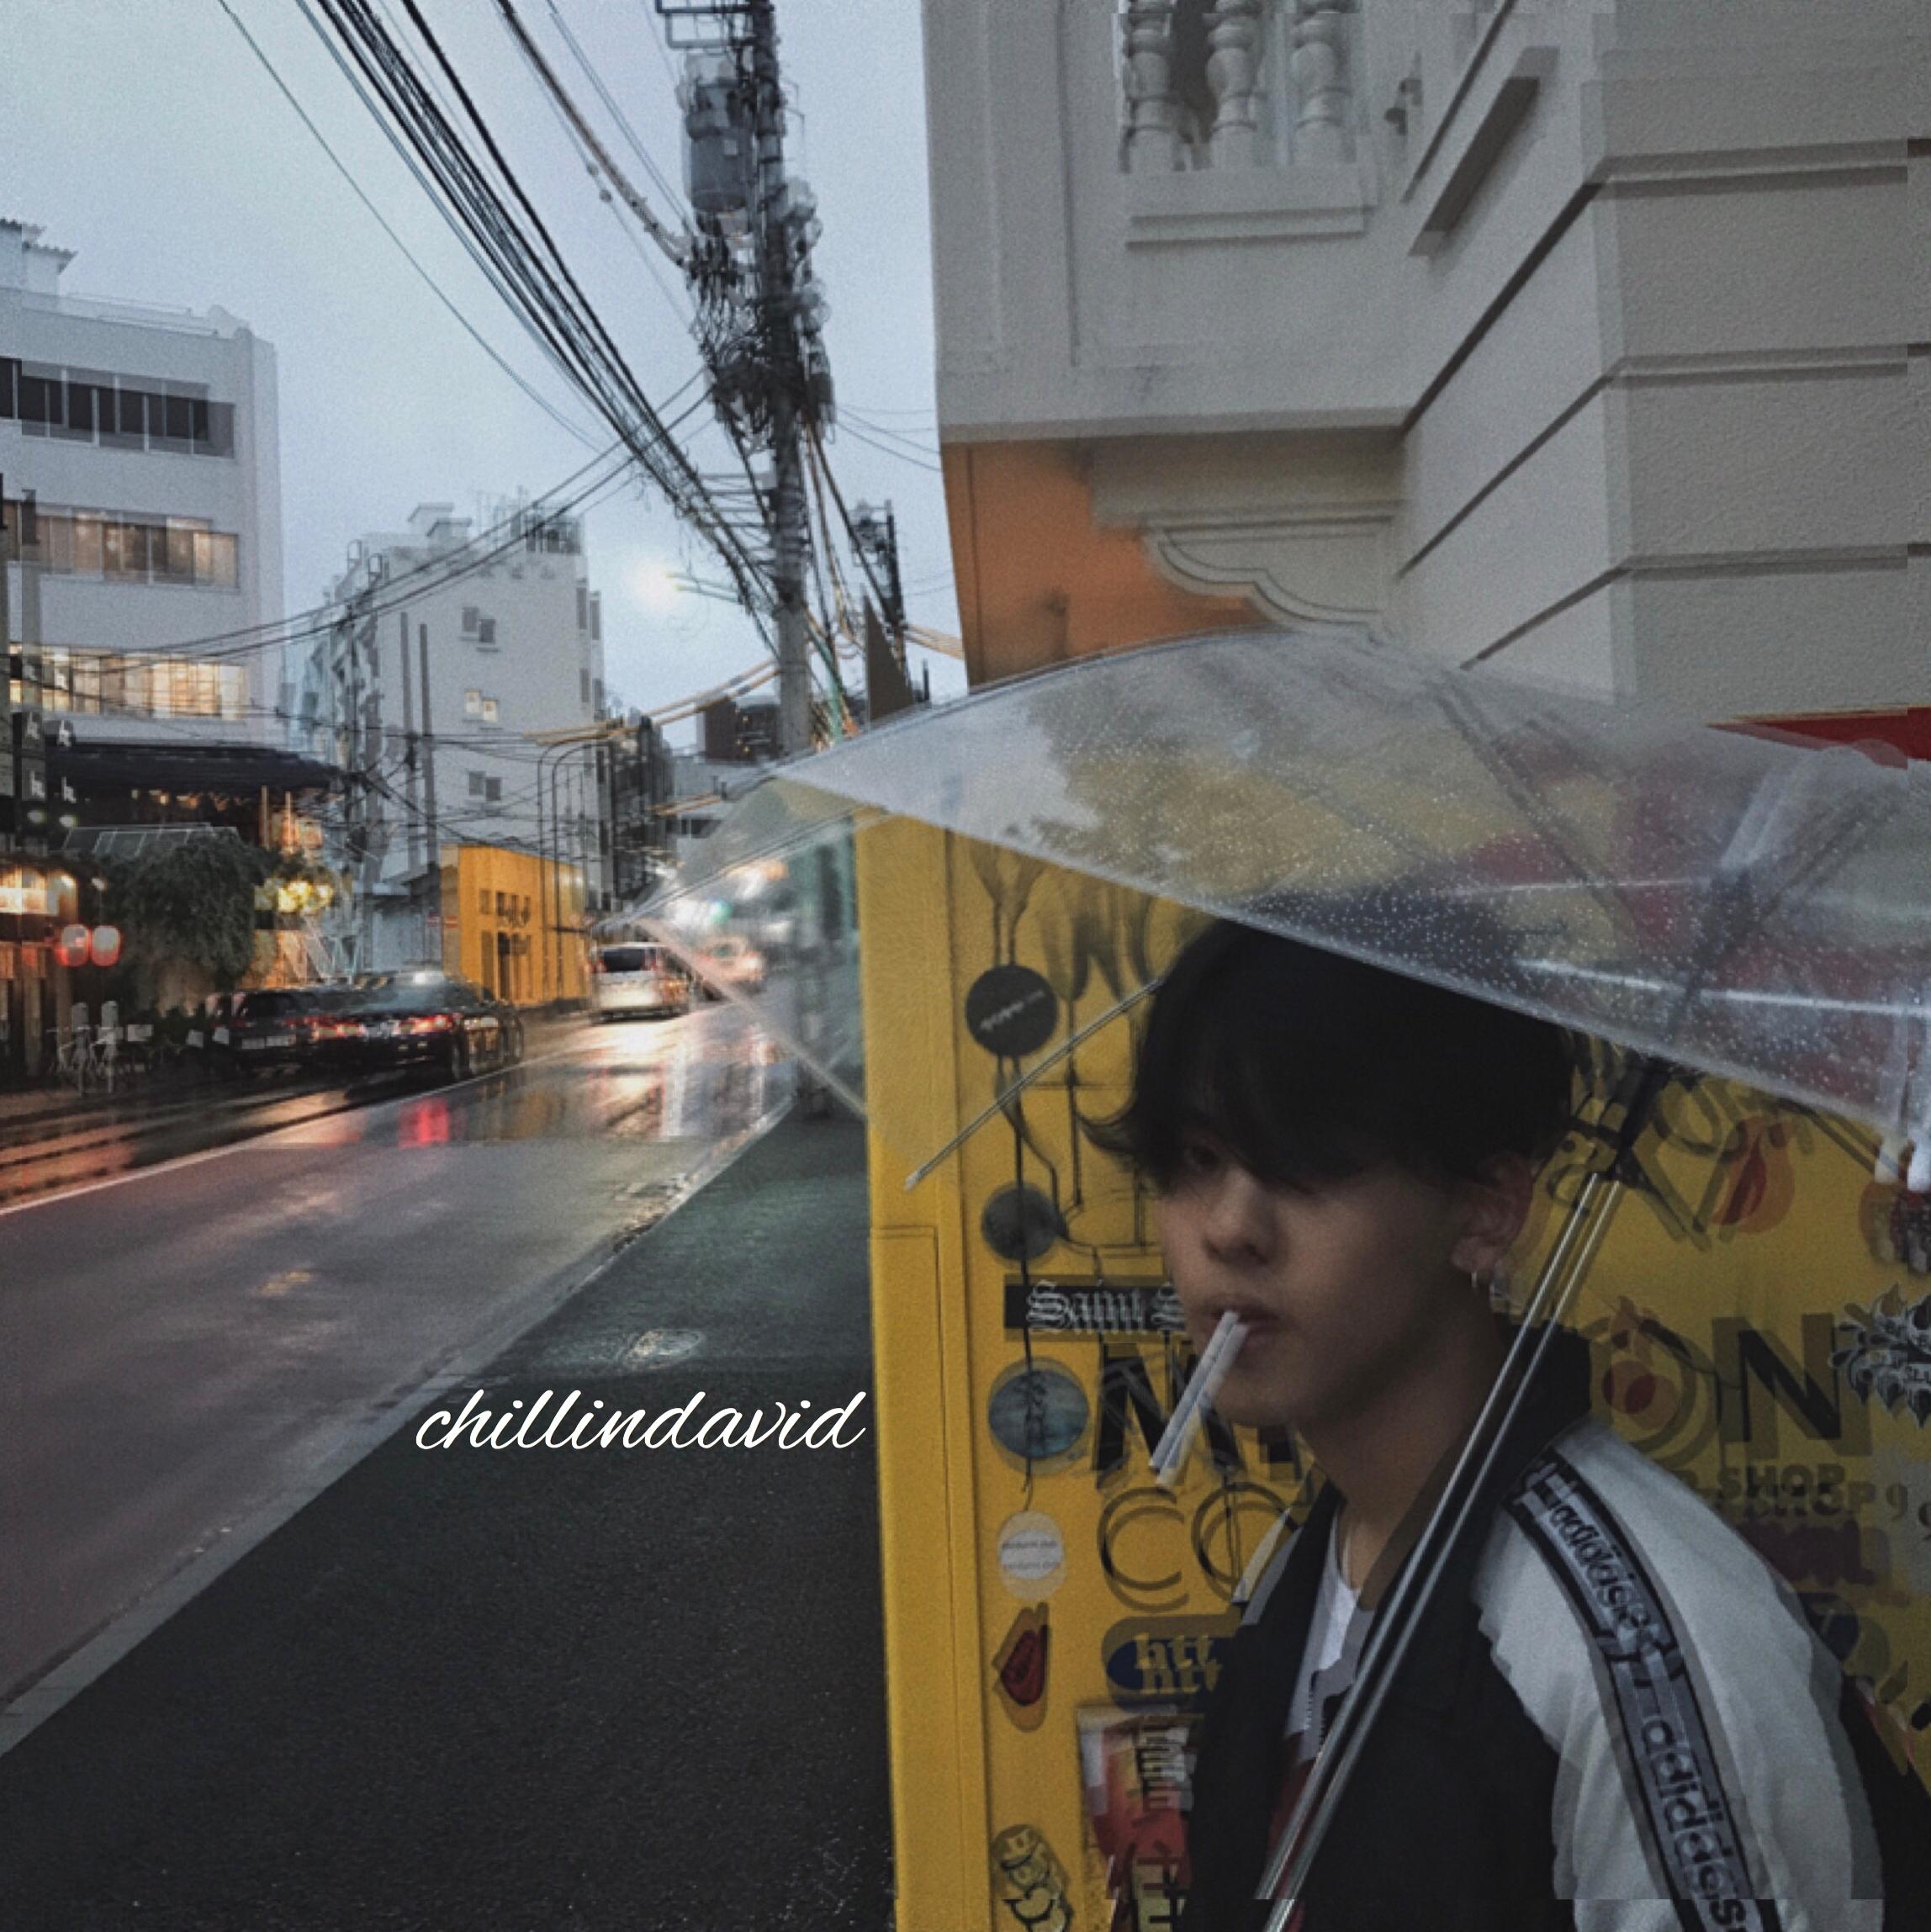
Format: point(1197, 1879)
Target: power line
point(535, 278)
point(435, 288)
point(677, 247)
point(671, 197)
point(903, 456)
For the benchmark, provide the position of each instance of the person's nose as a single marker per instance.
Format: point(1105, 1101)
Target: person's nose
point(1239, 1229)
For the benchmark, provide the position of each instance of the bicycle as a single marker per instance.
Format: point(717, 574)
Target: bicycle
point(82, 1059)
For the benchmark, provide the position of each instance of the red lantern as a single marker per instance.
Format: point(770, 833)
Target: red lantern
point(104, 946)
point(71, 950)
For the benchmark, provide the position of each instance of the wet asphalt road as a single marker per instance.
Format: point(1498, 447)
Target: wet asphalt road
point(529, 1688)
point(181, 1348)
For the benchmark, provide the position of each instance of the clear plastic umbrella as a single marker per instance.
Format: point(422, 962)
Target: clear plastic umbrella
point(1744, 905)
point(1726, 901)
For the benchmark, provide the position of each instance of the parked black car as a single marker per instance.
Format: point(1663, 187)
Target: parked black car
point(261, 1029)
point(430, 1020)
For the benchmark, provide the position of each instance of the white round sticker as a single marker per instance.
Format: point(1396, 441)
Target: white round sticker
point(1032, 1555)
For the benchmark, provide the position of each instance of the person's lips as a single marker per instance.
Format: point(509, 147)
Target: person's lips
point(1261, 1324)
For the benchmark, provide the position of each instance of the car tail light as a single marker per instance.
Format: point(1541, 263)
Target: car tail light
point(434, 1023)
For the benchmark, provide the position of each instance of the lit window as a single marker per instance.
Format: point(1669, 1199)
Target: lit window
point(471, 704)
point(489, 707)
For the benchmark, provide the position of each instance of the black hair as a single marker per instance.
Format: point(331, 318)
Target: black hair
point(1308, 1065)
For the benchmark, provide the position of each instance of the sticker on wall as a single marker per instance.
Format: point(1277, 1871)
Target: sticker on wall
point(1136, 1770)
point(1020, 1223)
point(1039, 1416)
point(1030, 1880)
point(1011, 1011)
point(1089, 1305)
point(1019, 1668)
point(1032, 1555)
point(1169, 1660)
point(1887, 1353)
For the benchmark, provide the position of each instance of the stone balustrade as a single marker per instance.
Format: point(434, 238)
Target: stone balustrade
point(1264, 113)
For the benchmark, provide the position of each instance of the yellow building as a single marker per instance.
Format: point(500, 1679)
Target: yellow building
point(513, 924)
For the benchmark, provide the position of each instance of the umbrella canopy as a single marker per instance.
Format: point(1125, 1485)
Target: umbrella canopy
point(1746, 905)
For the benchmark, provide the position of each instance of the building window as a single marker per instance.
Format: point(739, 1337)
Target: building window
point(489, 711)
point(486, 634)
point(118, 412)
point(97, 544)
point(584, 685)
point(487, 789)
point(596, 618)
point(93, 683)
point(583, 607)
point(471, 618)
point(471, 704)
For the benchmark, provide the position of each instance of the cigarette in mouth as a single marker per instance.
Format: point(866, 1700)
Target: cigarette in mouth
point(1176, 1442)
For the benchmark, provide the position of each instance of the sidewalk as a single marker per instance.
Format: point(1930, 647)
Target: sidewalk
point(530, 1690)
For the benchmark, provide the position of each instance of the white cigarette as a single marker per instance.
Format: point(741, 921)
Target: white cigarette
point(1176, 1442)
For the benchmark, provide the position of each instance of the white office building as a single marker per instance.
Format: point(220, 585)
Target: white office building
point(146, 438)
point(465, 650)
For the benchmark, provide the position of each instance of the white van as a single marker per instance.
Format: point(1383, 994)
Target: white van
point(634, 977)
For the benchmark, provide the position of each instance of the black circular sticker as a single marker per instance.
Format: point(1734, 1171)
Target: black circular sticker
point(1019, 1223)
point(1011, 1011)
point(1038, 1414)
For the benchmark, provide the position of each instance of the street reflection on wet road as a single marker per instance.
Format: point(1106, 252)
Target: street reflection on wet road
point(709, 1074)
point(187, 1349)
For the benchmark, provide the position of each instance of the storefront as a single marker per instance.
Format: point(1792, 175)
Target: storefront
point(36, 898)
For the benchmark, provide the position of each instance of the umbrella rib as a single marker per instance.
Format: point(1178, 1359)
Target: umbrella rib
point(1028, 1077)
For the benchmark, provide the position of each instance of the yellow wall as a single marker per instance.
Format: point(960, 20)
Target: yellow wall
point(1762, 1245)
point(497, 906)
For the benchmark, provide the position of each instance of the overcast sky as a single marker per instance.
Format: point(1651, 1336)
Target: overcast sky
point(145, 136)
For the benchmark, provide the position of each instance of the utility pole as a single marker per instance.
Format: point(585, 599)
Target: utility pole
point(777, 298)
point(761, 313)
point(435, 830)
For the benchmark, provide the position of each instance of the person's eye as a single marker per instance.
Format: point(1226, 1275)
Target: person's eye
point(1198, 1158)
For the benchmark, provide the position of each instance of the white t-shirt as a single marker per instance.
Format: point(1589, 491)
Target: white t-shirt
point(1321, 1678)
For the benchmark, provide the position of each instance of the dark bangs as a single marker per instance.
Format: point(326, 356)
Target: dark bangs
point(1308, 1067)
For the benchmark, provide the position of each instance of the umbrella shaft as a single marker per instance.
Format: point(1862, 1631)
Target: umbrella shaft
point(1562, 1275)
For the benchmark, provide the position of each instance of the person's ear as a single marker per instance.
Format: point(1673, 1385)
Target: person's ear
point(1494, 1208)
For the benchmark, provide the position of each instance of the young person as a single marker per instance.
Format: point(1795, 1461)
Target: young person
point(1611, 1716)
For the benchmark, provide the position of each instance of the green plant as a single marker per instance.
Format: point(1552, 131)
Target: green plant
point(195, 901)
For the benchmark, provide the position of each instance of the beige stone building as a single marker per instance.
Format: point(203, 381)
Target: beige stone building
point(1589, 339)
